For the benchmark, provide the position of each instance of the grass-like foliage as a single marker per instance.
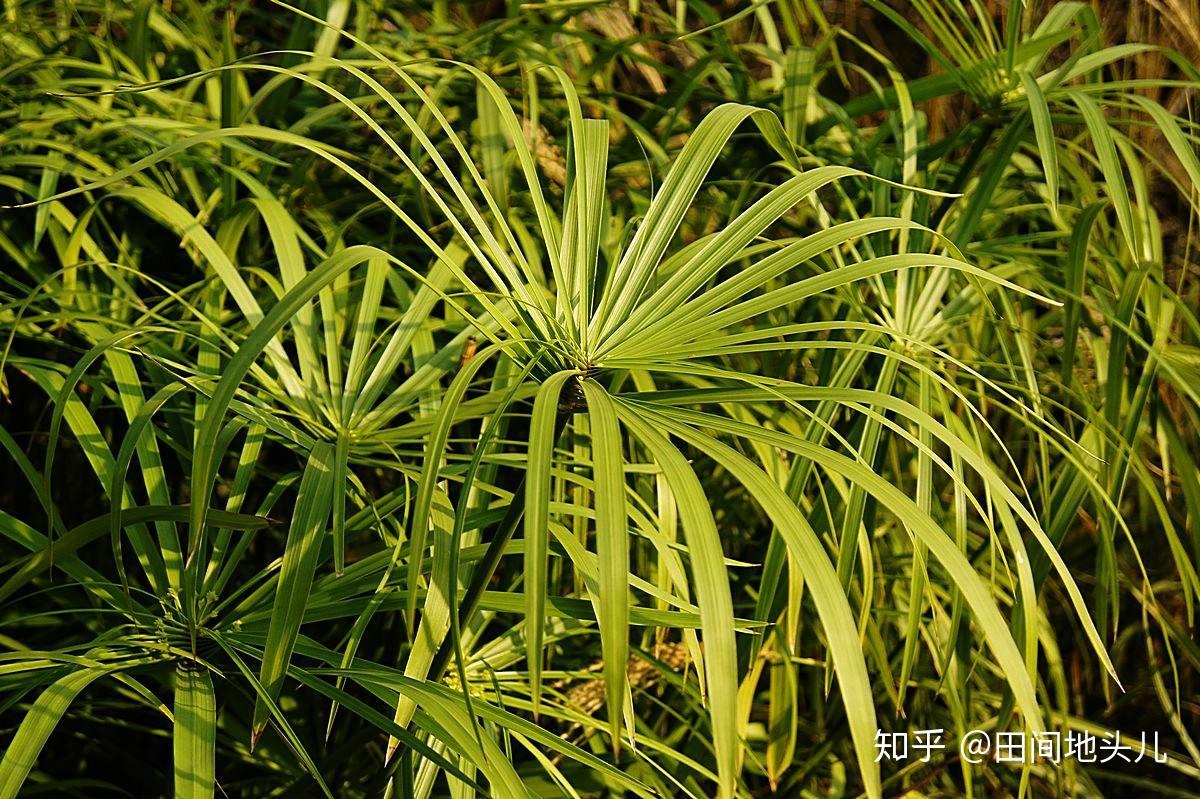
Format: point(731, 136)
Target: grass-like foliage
point(579, 399)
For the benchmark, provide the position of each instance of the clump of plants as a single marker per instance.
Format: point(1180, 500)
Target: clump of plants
point(594, 399)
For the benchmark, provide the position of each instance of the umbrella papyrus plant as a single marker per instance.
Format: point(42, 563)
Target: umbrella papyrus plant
point(550, 382)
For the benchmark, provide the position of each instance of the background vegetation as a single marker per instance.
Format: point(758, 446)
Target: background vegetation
point(595, 399)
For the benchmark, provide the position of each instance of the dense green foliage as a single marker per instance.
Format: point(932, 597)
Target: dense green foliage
point(592, 399)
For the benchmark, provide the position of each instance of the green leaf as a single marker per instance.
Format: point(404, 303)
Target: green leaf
point(975, 592)
point(540, 454)
point(612, 549)
point(89, 531)
point(39, 722)
point(712, 595)
point(1043, 129)
point(1110, 167)
point(841, 631)
point(309, 520)
point(195, 735)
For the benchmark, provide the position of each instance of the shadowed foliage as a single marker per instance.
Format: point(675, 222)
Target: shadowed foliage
point(581, 399)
